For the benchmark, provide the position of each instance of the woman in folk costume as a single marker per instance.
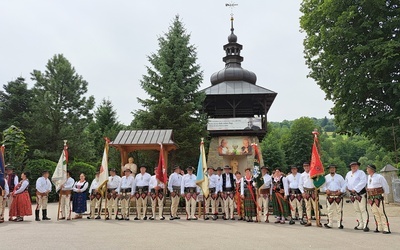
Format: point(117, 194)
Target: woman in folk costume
point(21, 204)
point(279, 201)
point(79, 198)
point(238, 198)
point(248, 193)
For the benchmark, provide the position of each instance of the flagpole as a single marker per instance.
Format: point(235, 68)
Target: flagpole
point(316, 208)
point(59, 195)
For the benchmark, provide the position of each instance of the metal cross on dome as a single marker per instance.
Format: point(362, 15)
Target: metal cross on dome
point(231, 5)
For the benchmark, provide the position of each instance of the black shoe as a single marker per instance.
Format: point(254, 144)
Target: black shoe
point(86, 217)
point(136, 218)
point(302, 222)
point(97, 218)
point(119, 218)
point(37, 215)
point(162, 218)
point(232, 218)
point(225, 218)
point(356, 228)
point(377, 231)
point(386, 232)
point(366, 229)
point(241, 218)
point(291, 222)
point(126, 218)
point(44, 215)
point(107, 218)
point(188, 219)
point(327, 226)
point(207, 218)
point(341, 227)
point(151, 218)
point(177, 218)
point(215, 217)
point(172, 218)
point(195, 218)
point(250, 220)
point(145, 218)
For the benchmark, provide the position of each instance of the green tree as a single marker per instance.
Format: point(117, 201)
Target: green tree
point(16, 148)
point(15, 104)
point(61, 109)
point(298, 144)
point(353, 51)
point(175, 102)
point(271, 149)
point(105, 124)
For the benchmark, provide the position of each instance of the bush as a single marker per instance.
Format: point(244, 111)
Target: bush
point(35, 167)
point(77, 168)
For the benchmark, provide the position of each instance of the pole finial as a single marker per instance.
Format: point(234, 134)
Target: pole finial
point(65, 142)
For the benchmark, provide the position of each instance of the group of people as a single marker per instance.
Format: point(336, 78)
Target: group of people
point(227, 190)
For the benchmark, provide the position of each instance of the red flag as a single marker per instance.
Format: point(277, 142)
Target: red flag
point(316, 167)
point(161, 173)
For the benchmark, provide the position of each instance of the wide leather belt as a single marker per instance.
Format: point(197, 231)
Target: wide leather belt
point(265, 191)
point(375, 191)
point(229, 189)
point(295, 191)
point(190, 190)
point(143, 189)
point(126, 190)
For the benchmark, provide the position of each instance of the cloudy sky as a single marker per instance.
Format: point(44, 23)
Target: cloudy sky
point(107, 42)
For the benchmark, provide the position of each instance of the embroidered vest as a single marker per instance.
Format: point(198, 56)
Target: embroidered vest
point(232, 181)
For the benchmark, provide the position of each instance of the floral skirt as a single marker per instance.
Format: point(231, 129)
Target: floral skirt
point(21, 205)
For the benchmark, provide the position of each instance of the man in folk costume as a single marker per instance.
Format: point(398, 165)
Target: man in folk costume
point(307, 190)
point(141, 191)
point(214, 188)
point(190, 191)
point(279, 200)
point(43, 188)
point(174, 187)
point(265, 192)
point(95, 197)
point(112, 194)
point(335, 188)
point(4, 192)
point(376, 187)
point(220, 201)
point(157, 196)
point(125, 192)
point(294, 195)
point(12, 181)
point(356, 181)
point(65, 197)
point(228, 192)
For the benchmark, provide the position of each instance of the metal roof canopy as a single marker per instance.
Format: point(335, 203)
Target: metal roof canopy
point(133, 140)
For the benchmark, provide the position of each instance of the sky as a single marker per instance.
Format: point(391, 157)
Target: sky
point(108, 41)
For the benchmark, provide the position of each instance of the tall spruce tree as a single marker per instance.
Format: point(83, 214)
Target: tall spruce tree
point(172, 83)
point(15, 104)
point(61, 109)
point(105, 124)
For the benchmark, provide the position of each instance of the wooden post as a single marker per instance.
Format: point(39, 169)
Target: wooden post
point(316, 208)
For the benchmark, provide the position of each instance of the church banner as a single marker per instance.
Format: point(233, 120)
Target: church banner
point(234, 145)
point(239, 123)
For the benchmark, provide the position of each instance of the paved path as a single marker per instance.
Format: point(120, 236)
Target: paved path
point(182, 234)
